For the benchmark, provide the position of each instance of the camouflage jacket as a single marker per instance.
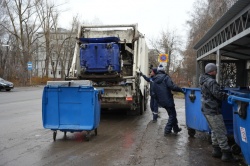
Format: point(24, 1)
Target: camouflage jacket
point(212, 96)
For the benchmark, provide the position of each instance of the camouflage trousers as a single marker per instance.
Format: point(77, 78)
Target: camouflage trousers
point(218, 131)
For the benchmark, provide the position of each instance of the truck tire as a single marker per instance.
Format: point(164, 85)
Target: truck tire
point(142, 104)
point(145, 98)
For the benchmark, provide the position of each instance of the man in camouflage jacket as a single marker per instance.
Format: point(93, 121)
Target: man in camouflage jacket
point(211, 107)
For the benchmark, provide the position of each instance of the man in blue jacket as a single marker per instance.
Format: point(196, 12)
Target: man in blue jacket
point(162, 87)
point(153, 103)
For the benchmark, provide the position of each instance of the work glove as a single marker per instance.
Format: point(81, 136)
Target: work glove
point(226, 96)
point(183, 90)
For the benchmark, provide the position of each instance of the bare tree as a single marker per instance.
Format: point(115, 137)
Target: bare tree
point(58, 42)
point(205, 14)
point(169, 43)
point(23, 19)
point(48, 16)
point(62, 46)
point(153, 58)
point(69, 46)
point(4, 39)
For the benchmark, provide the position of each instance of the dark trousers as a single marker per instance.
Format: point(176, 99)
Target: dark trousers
point(172, 120)
point(154, 108)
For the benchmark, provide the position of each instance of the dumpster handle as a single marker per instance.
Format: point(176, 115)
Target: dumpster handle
point(192, 96)
point(184, 90)
point(242, 105)
point(231, 99)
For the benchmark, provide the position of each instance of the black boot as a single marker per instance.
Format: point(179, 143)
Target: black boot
point(216, 152)
point(228, 157)
point(177, 130)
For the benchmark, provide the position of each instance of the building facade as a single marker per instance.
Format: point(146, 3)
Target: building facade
point(54, 53)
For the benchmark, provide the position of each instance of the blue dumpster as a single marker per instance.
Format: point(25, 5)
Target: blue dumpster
point(241, 124)
point(240, 93)
point(227, 111)
point(70, 106)
point(195, 119)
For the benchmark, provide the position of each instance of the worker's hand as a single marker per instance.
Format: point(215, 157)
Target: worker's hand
point(139, 73)
point(226, 96)
point(183, 90)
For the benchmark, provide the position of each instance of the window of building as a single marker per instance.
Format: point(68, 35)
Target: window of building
point(59, 72)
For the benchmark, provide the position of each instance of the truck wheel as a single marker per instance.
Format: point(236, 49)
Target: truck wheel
point(141, 104)
point(145, 100)
point(139, 109)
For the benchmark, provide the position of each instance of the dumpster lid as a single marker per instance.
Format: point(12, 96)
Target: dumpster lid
point(72, 83)
point(100, 40)
point(240, 93)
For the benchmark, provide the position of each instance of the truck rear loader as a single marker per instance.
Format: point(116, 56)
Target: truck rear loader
point(111, 56)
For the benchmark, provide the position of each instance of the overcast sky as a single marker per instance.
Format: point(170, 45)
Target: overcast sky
point(152, 16)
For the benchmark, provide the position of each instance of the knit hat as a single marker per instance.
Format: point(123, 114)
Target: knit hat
point(154, 70)
point(160, 68)
point(210, 67)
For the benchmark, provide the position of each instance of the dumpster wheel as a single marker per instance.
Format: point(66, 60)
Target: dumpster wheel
point(236, 149)
point(87, 136)
point(191, 132)
point(95, 132)
point(54, 135)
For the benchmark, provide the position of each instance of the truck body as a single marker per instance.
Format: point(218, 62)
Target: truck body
point(111, 56)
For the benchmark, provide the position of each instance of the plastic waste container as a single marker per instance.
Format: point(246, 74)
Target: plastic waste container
point(195, 120)
point(241, 119)
point(100, 55)
point(240, 93)
point(227, 111)
point(71, 106)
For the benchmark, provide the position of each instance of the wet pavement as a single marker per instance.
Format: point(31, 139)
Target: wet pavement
point(121, 140)
point(175, 149)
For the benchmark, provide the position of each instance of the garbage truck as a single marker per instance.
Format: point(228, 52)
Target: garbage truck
point(112, 57)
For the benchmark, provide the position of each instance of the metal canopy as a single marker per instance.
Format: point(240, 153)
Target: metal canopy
point(230, 35)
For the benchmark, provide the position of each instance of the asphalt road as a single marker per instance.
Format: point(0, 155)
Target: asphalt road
point(122, 139)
